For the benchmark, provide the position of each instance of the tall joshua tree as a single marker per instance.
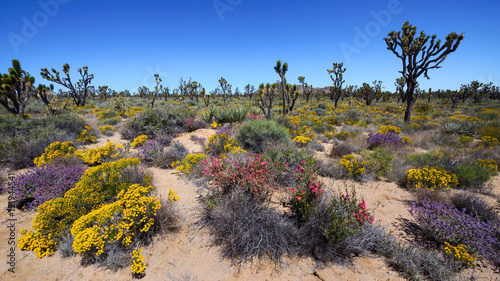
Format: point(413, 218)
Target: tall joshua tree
point(158, 87)
point(224, 89)
point(16, 89)
point(281, 70)
point(307, 89)
point(418, 56)
point(336, 90)
point(78, 92)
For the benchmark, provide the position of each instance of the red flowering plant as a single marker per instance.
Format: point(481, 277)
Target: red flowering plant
point(307, 193)
point(344, 216)
point(256, 175)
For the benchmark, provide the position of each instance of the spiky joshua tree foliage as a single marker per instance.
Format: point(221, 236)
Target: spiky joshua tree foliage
point(281, 70)
point(418, 55)
point(266, 98)
point(78, 92)
point(15, 89)
point(336, 90)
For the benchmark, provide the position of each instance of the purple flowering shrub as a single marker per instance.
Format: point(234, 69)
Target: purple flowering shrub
point(445, 223)
point(38, 185)
point(150, 150)
point(386, 139)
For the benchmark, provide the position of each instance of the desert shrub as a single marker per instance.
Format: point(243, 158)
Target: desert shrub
point(489, 142)
point(109, 121)
point(287, 157)
point(457, 127)
point(387, 139)
point(475, 173)
point(230, 114)
point(139, 140)
point(254, 134)
point(307, 192)
point(384, 129)
point(86, 136)
point(378, 161)
point(209, 114)
point(186, 165)
point(489, 131)
point(431, 158)
point(38, 185)
point(474, 206)
point(55, 149)
point(343, 216)
point(341, 149)
point(431, 178)
point(422, 106)
point(174, 153)
point(149, 151)
point(352, 114)
point(256, 175)
point(154, 122)
point(96, 156)
point(488, 115)
point(22, 140)
point(465, 139)
point(98, 185)
point(352, 166)
point(246, 229)
point(399, 166)
point(223, 142)
point(107, 130)
point(445, 223)
point(316, 145)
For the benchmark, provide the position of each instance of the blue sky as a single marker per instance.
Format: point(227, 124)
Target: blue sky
point(125, 42)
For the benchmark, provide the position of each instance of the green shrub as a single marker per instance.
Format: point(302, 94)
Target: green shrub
point(490, 131)
point(474, 173)
point(378, 161)
point(153, 123)
point(255, 134)
point(230, 114)
point(109, 121)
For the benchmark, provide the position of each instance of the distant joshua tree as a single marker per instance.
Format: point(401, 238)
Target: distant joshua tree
point(281, 70)
point(336, 90)
point(418, 56)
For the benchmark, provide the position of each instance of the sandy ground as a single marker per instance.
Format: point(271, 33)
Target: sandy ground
point(187, 254)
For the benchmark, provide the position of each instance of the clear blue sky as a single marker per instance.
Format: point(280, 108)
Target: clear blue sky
point(125, 42)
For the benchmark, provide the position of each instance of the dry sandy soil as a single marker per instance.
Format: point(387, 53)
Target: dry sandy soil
point(187, 254)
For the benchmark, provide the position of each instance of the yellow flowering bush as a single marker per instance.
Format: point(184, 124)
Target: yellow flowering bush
point(489, 142)
point(98, 185)
point(138, 266)
point(329, 135)
point(85, 136)
point(95, 156)
point(465, 139)
point(490, 163)
point(121, 221)
point(431, 177)
point(415, 126)
point(139, 140)
point(354, 168)
point(343, 135)
point(172, 196)
point(53, 150)
point(406, 140)
point(133, 111)
point(107, 128)
point(460, 253)
point(302, 140)
point(214, 125)
point(306, 131)
point(223, 143)
point(388, 128)
point(465, 118)
point(187, 163)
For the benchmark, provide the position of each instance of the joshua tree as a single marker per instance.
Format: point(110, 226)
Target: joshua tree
point(77, 92)
point(104, 92)
point(44, 93)
point(249, 90)
point(400, 84)
point(281, 70)
point(16, 89)
point(291, 96)
point(307, 90)
point(158, 87)
point(205, 97)
point(418, 56)
point(336, 90)
point(367, 93)
point(166, 93)
point(143, 92)
point(224, 89)
point(266, 98)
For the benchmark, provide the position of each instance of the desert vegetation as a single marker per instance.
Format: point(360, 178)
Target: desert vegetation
point(267, 172)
